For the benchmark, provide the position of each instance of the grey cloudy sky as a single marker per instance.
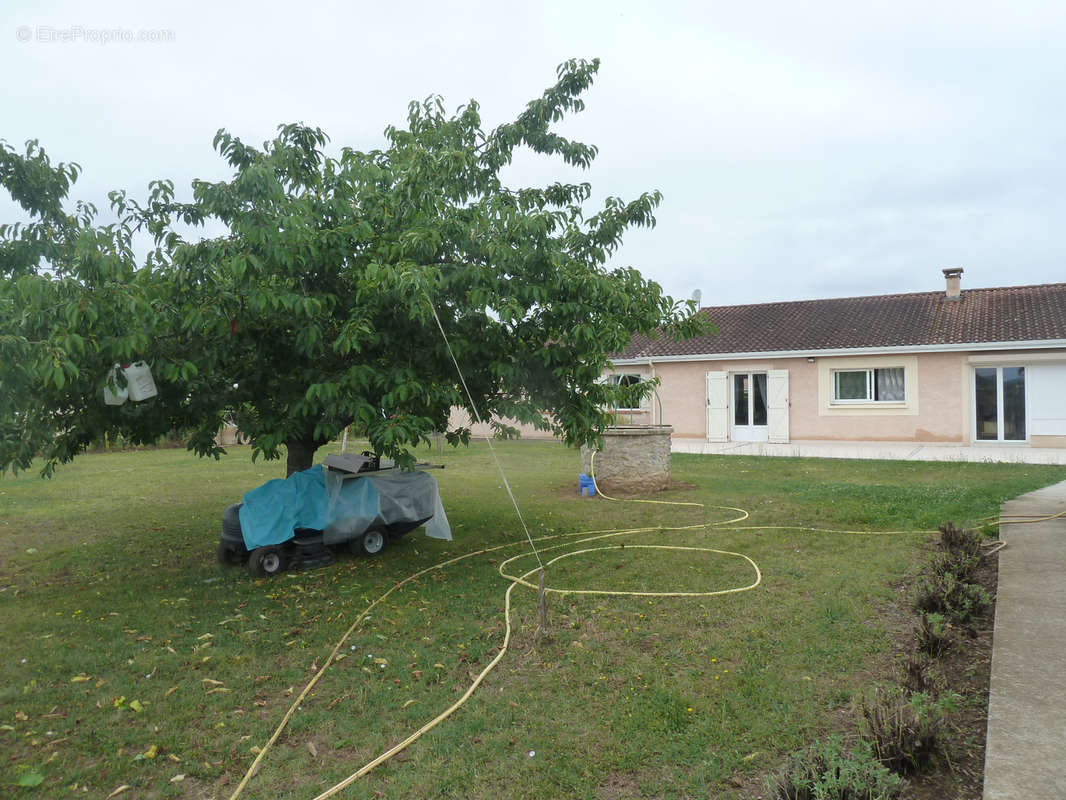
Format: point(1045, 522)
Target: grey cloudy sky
point(804, 150)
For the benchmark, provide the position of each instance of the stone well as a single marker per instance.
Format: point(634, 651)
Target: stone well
point(635, 459)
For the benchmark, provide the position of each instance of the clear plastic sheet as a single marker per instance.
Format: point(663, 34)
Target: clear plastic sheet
point(341, 505)
point(384, 498)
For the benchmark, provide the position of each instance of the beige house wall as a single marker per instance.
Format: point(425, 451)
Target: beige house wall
point(936, 410)
point(459, 418)
point(938, 405)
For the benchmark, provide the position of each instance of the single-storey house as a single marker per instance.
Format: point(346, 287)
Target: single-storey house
point(970, 367)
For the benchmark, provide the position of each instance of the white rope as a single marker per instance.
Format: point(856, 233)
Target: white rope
point(478, 420)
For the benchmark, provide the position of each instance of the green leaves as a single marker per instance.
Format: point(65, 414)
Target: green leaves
point(30, 779)
point(314, 311)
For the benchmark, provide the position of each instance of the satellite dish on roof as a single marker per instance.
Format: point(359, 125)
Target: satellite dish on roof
point(697, 296)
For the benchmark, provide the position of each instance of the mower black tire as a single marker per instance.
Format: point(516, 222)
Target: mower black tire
point(227, 556)
point(265, 562)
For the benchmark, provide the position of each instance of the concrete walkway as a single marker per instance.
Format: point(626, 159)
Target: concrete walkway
point(910, 451)
point(1025, 756)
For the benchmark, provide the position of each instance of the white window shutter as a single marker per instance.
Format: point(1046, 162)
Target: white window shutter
point(777, 405)
point(717, 406)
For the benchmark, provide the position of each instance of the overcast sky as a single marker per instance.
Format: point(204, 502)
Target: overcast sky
point(818, 149)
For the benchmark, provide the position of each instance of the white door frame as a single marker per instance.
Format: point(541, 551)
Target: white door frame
point(719, 405)
point(999, 404)
point(749, 432)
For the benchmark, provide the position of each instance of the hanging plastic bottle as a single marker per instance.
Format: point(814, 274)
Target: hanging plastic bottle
point(139, 381)
point(118, 395)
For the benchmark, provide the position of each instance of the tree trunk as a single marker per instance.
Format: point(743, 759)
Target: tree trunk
point(300, 456)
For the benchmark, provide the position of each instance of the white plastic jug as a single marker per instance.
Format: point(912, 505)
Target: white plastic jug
point(120, 393)
point(140, 383)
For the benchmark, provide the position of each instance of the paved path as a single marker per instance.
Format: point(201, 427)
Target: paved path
point(910, 451)
point(1025, 756)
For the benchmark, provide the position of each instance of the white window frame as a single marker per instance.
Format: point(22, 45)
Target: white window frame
point(870, 378)
point(999, 440)
point(616, 378)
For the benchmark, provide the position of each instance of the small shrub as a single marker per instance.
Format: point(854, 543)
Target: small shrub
point(931, 596)
point(956, 563)
point(969, 601)
point(828, 771)
point(959, 540)
point(904, 732)
point(920, 674)
point(954, 598)
point(934, 634)
point(950, 536)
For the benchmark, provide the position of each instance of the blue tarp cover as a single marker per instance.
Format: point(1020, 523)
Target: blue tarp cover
point(341, 507)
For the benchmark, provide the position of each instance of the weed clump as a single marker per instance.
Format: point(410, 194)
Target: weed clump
point(952, 597)
point(904, 731)
point(920, 674)
point(934, 634)
point(960, 540)
point(829, 771)
point(962, 552)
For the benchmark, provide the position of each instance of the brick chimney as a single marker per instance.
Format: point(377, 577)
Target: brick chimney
point(954, 278)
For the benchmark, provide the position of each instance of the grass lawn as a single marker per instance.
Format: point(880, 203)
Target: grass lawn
point(131, 658)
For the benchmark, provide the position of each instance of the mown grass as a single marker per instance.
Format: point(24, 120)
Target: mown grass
point(131, 658)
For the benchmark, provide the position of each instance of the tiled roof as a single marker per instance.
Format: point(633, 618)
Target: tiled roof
point(1007, 314)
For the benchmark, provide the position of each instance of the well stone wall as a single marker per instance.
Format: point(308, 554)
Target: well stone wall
point(634, 459)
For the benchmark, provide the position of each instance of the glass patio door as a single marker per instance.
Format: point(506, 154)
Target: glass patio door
point(999, 404)
point(749, 407)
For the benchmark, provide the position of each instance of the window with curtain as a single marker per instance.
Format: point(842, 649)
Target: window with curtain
point(628, 379)
point(881, 385)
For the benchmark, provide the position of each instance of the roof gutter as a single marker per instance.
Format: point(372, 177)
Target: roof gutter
point(1034, 344)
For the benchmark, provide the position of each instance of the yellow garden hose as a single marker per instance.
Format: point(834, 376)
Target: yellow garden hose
point(1020, 519)
point(1013, 519)
point(332, 657)
point(517, 580)
point(523, 580)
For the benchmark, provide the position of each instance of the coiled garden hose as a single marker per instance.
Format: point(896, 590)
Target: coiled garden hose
point(522, 579)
